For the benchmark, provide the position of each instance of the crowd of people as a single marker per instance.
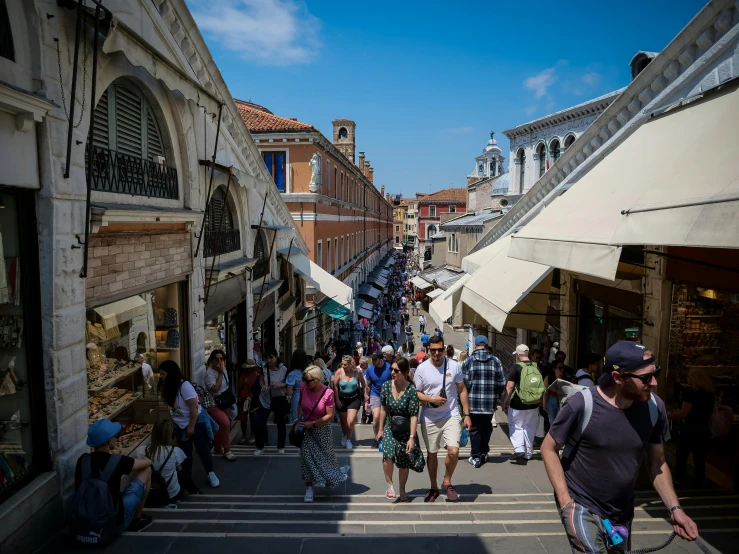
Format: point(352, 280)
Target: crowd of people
point(436, 392)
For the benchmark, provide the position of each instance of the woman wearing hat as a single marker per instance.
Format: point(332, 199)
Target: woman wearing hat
point(247, 378)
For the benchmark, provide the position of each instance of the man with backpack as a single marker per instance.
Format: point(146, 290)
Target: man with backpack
point(99, 510)
point(586, 377)
point(605, 432)
point(524, 393)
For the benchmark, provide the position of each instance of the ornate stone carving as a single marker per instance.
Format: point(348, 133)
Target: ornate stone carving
point(315, 176)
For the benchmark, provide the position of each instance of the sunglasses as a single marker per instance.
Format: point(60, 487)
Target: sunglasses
point(646, 378)
point(306, 380)
point(437, 349)
point(395, 370)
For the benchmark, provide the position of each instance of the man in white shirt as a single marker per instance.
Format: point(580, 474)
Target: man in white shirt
point(440, 414)
point(422, 323)
point(146, 371)
point(418, 307)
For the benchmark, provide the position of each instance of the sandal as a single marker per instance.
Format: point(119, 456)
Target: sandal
point(432, 495)
point(390, 492)
point(230, 456)
point(404, 497)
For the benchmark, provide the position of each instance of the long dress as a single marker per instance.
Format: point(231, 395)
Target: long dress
point(318, 461)
point(394, 446)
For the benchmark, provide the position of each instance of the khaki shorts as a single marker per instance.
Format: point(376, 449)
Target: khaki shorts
point(448, 429)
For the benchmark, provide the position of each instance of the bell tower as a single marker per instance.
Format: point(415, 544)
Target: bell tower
point(344, 137)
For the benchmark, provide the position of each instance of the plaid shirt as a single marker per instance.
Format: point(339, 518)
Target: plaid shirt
point(485, 381)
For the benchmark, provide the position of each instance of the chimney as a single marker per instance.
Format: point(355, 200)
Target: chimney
point(371, 177)
point(361, 162)
point(365, 169)
point(382, 191)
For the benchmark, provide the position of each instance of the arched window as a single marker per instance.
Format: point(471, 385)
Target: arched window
point(343, 135)
point(568, 141)
point(261, 268)
point(221, 228)
point(521, 168)
point(6, 38)
point(542, 153)
point(128, 146)
point(555, 150)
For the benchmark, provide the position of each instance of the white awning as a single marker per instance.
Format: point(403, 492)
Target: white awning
point(329, 285)
point(473, 262)
point(434, 293)
point(421, 283)
point(656, 188)
point(141, 54)
point(507, 292)
point(442, 307)
point(119, 312)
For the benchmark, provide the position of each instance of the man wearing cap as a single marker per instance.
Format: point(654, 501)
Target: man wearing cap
point(375, 376)
point(607, 430)
point(485, 382)
point(102, 436)
point(522, 418)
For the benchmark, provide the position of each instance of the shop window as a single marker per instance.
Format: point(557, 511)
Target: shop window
point(602, 325)
point(221, 230)
point(120, 386)
point(261, 268)
point(128, 146)
point(277, 167)
point(6, 37)
point(23, 436)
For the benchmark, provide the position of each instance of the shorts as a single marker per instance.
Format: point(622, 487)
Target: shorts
point(352, 402)
point(375, 402)
point(450, 429)
point(131, 499)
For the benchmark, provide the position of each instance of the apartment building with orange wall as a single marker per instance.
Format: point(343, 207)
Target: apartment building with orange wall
point(345, 220)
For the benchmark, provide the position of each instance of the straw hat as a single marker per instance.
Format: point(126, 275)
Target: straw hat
point(249, 364)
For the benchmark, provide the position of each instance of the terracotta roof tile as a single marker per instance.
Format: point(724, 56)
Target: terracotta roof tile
point(260, 120)
point(448, 195)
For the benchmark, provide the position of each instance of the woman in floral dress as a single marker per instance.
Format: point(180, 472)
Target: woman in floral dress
point(399, 398)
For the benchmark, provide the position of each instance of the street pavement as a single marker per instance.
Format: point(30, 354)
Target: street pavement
point(504, 507)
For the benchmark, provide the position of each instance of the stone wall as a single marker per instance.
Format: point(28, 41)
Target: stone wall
point(122, 261)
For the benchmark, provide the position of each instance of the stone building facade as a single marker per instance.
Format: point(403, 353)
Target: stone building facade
point(165, 226)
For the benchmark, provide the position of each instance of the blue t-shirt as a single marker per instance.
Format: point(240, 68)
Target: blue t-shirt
point(377, 378)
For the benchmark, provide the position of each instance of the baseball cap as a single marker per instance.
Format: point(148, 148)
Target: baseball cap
point(387, 349)
point(420, 356)
point(521, 350)
point(624, 357)
point(377, 356)
point(102, 431)
point(481, 340)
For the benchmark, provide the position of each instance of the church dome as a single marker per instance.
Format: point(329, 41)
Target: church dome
point(492, 147)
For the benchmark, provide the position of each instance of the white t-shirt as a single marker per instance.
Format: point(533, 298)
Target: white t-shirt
point(418, 304)
point(170, 469)
point(421, 320)
point(428, 379)
point(181, 411)
point(148, 374)
point(211, 378)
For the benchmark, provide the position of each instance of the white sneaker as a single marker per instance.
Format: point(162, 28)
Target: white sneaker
point(280, 450)
point(343, 441)
point(348, 444)
point(258, 452)
point(308, 495)
point(214, 482)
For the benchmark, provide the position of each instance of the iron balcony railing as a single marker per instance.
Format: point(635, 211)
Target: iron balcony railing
point(222, 242)
point(117, 172)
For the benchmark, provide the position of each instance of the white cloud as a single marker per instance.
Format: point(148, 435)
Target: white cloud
point(591, 79)
point(529, 110)
point(270, 32)
point(540, 82)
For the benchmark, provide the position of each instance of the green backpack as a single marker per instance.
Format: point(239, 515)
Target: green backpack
point(531, 386)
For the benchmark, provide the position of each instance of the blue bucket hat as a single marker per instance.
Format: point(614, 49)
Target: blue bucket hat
point(102, 431)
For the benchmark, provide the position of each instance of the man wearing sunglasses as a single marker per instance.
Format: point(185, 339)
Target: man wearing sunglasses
point(606, 430)
point(440, 386)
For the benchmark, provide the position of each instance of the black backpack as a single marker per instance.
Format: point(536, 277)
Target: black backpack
point(158, 495)
point(93, 519)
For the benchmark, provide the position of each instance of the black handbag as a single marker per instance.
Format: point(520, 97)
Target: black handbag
point(158, 493)
point(225, 400)
point(400, 425)
point(297, 436)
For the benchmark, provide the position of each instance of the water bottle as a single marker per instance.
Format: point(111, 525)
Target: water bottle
point(463, 438)
point(299, 428)
point(379, 445)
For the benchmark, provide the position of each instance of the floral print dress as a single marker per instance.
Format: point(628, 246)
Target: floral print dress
point(393, 447)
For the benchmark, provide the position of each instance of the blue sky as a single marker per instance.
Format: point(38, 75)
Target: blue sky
point(426, 81)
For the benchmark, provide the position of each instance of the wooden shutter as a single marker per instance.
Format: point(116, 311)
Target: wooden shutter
point(128, 122)
point(218, 210)
point(153, 138)
point(100, 134)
